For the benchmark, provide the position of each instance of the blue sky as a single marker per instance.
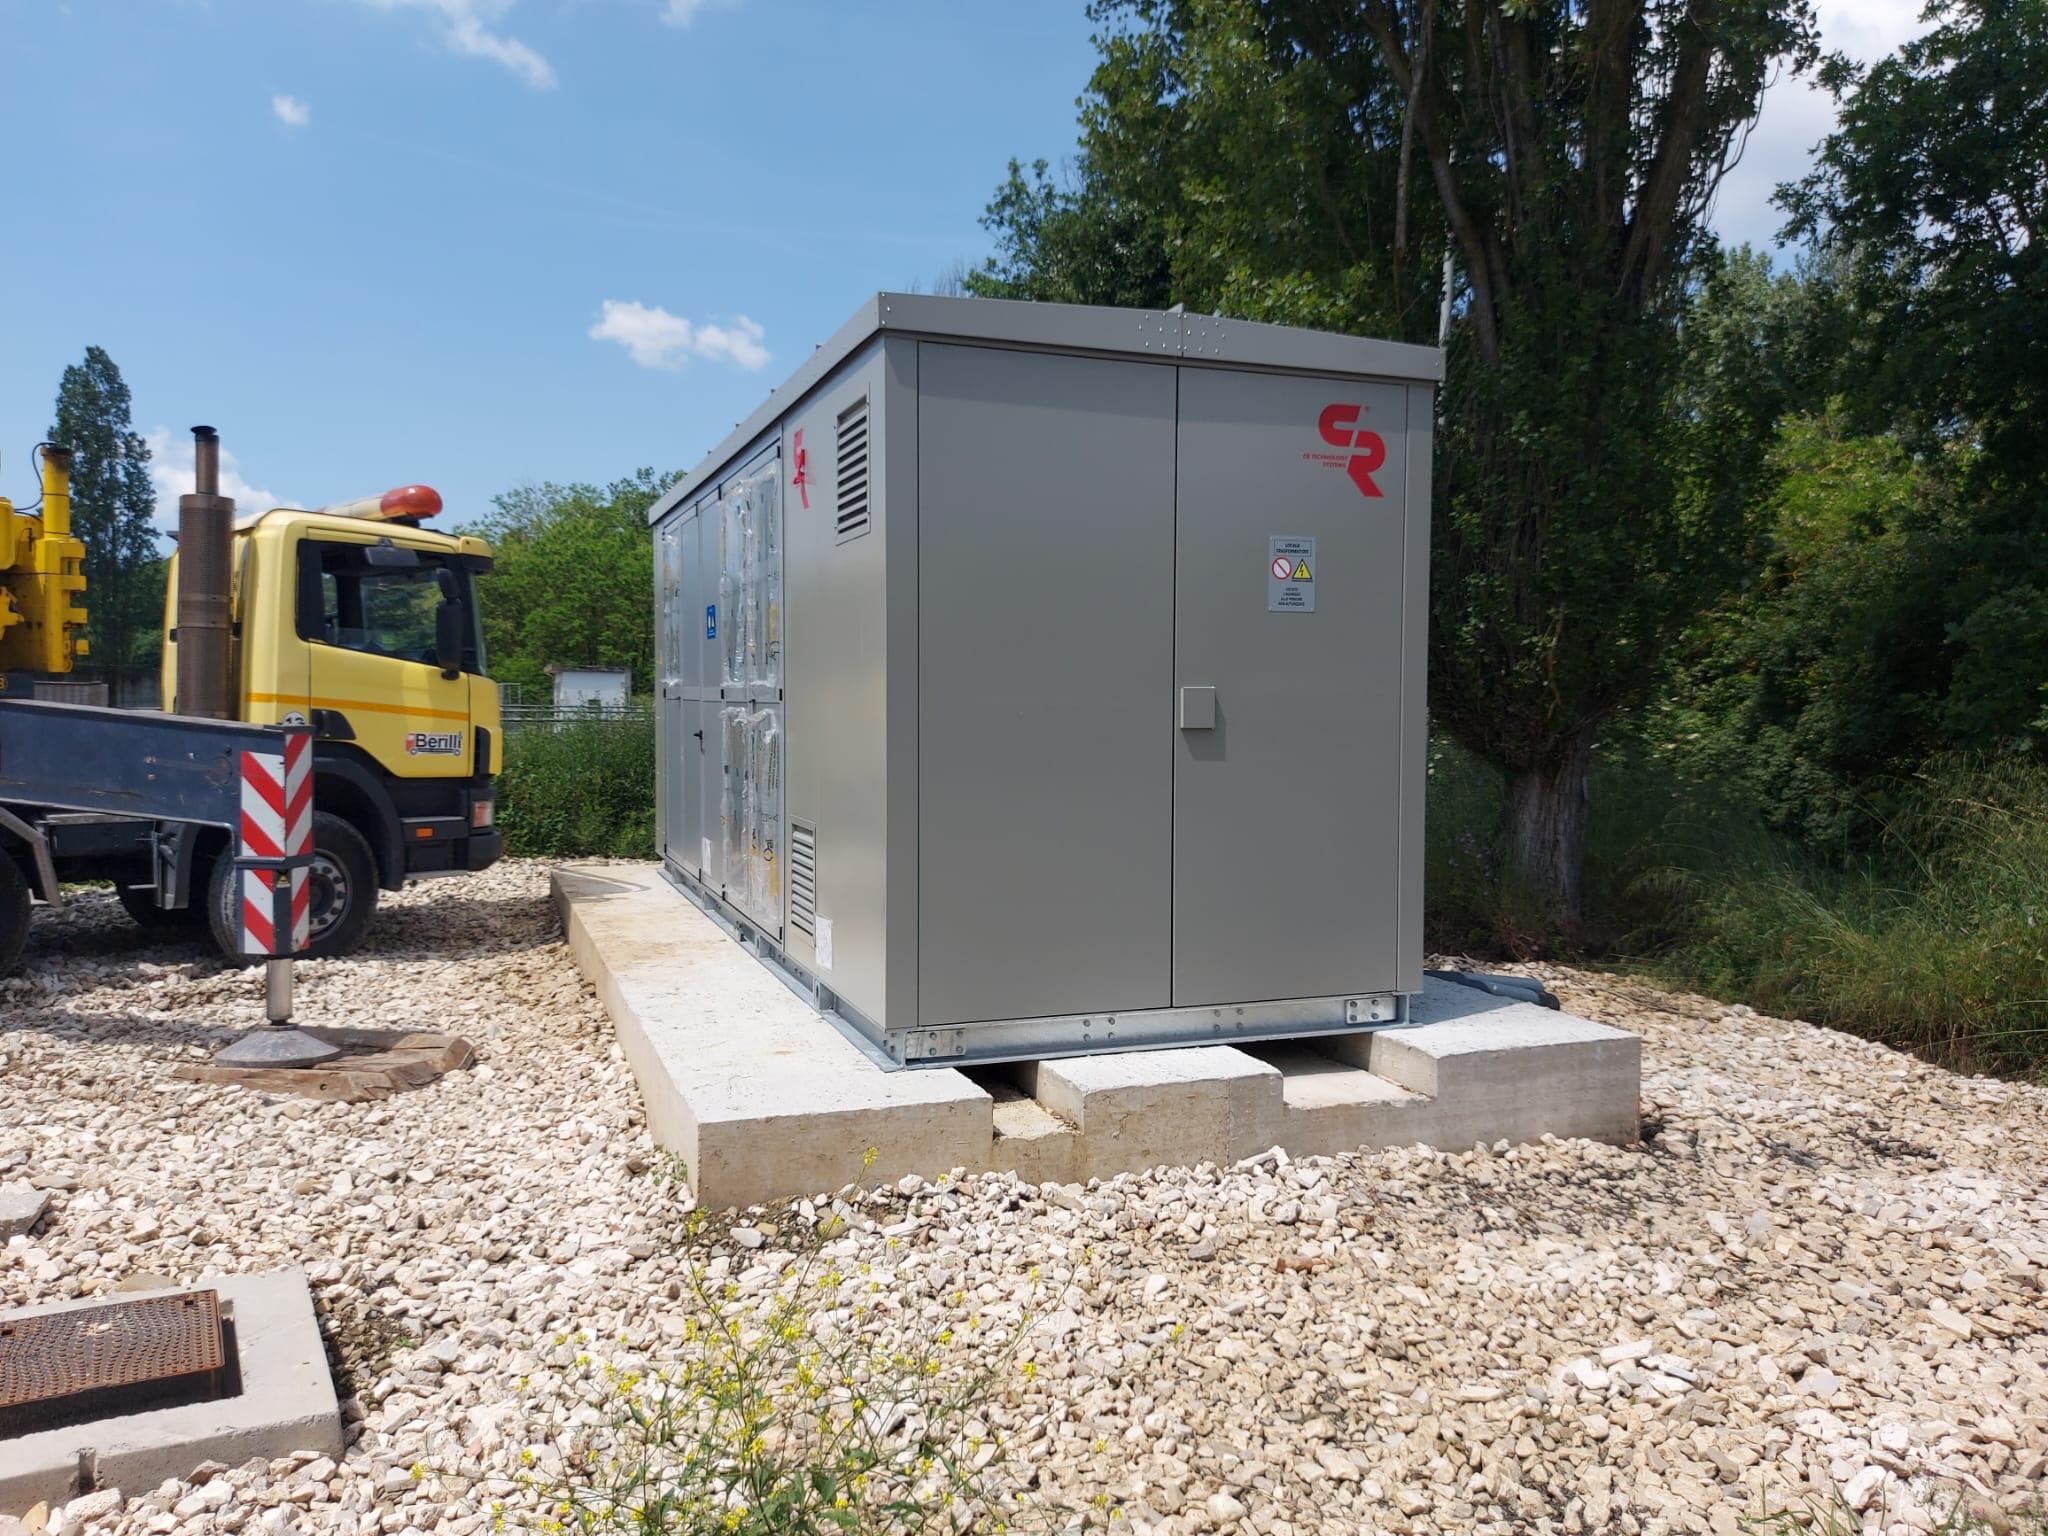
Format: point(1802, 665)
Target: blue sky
point(482, 242)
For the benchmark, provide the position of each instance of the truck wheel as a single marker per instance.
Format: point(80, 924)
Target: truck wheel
point(139, 902)
point(343, 892)
point(14, 910)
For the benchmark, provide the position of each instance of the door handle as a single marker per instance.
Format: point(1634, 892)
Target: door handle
point(1198, 707)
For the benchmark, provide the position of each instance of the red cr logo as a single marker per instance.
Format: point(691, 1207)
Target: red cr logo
point(1368, 450)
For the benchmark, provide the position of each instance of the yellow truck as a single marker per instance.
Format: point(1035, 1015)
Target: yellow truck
point(355, 619)
point(361, 622)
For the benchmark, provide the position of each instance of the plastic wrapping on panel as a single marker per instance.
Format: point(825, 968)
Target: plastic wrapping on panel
point(764, 497)
point(669, 663)
point(732, 722)
point(754, 855)
point(732, 562)
point(750, 579)
point(753, 581)
point(750, 590)
point(764, 817)
point(750, 723)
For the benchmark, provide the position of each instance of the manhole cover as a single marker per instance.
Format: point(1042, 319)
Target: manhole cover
point(64, 1367)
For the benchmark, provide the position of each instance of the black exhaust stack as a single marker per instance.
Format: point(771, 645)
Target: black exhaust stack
point(206, 530)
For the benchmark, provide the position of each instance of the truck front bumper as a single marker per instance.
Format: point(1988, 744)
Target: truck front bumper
point(446, 845)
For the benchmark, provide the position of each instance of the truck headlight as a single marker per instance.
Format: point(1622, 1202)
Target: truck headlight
point(480, 814)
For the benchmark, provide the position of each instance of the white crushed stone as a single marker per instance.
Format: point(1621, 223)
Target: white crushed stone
point(1822, 1272)
point(21, 1209)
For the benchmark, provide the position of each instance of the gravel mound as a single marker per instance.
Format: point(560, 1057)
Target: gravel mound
point(1820, 1277)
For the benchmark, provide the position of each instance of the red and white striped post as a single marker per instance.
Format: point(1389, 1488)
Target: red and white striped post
point(273, 852)
point(276, 846)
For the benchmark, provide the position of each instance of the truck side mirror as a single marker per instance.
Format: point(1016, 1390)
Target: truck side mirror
point(448, 632)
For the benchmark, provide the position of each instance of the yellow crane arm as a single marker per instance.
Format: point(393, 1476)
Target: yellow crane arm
point(42, 577)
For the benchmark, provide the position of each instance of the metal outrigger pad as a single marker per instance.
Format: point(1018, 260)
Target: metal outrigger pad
point(276, 1045)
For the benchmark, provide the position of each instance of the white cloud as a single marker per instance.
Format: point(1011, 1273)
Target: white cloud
point(680, 13)
point(738, 344)
point(1797, 115)
point(468, 27)
point(291, 111)
point(170, 466)
point(654, 338)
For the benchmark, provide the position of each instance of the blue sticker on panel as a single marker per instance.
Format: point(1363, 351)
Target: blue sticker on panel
point(711, 621)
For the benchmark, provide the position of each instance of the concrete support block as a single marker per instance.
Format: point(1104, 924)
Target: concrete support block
point(1034, 1143)
point(1138, 1109)
point(1332, 1107)
point(1500, 1069)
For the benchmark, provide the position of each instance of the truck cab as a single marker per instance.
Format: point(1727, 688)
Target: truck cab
point(362, 623)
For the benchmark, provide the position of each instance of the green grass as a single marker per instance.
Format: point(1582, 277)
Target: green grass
point(779, 1415)
point(585, 789)
point(1954, 1515)
point(1935, 940)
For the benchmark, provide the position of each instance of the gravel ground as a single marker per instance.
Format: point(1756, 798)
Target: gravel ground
point(1821, 1273)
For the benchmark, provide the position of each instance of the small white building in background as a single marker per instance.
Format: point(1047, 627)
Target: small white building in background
point(597, 690)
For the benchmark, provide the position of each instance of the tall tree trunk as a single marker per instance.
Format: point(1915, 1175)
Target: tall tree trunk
point(1546, 811)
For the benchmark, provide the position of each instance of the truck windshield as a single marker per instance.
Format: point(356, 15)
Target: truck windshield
point(349, 598)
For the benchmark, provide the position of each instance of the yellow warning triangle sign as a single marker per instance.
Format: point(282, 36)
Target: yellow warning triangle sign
point(1301, 571)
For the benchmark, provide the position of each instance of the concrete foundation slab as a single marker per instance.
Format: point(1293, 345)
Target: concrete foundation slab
point(757, 1092)
point(286, 1404)
point(764, 1098)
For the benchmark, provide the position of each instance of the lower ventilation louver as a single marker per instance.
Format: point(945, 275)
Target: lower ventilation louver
point(803, 879)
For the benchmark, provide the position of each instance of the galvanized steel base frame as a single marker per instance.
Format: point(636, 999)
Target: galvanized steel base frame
point(991, 1041)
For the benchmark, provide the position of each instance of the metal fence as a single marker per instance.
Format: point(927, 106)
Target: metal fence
point(520, 717)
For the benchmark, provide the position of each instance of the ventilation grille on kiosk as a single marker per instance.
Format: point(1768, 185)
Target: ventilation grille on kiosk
point(850, 516)
point(803, 879)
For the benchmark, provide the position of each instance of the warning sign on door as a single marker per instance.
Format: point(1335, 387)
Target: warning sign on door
point(1291, 575)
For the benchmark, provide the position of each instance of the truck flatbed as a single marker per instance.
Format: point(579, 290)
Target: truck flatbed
point(81, 782)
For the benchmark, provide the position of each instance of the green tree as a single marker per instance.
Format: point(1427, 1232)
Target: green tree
point(113, 506)
point(1931, 194)
point(1312, 162)
point(1754, 343)
point(1069, 246)
point(574, 580)
point(1814, 691)
point(152, 579)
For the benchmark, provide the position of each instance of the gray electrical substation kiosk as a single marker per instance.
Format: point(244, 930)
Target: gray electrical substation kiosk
point(1039, 679)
